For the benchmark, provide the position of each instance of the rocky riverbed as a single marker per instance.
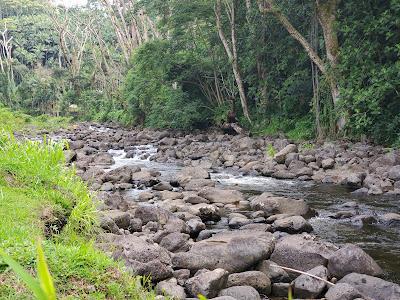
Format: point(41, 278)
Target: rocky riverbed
point(219, 215)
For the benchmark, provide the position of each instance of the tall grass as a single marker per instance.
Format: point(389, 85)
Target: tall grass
point(37, 189)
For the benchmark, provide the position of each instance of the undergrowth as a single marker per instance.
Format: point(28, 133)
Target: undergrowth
point(37, 191)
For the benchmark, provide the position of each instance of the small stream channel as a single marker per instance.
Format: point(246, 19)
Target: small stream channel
point(381, 242)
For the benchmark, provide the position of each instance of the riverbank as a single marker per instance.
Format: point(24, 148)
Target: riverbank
point(40, 199)
point(163, 214)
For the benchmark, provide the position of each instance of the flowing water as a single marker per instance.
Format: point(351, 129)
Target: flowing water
point(381, 242)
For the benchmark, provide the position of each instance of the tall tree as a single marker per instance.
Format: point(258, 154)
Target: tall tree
point(231, 49)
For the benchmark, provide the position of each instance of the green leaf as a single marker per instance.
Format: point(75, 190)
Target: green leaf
point(201, 297)
point(46, 282)
point(290, 294)
point(29, 280)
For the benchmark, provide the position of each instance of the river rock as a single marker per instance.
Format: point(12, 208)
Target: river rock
point(120, 218)
point(255, 279)
point(390, 218)
point(295, 224)
point(372, 287)
point(189, 173)
point(280, 157)
point(208, 283)
point(143, 257)
point(198, 184)
point(272, 205)
point(280, 289)
point(145, 177)
point(328, 163)
point(302, 252)
point(342, 291)
point(175, 242)
point(234, 251)
point(352, 259)
point(121, 175)
point(306, 287)
point(162, 186)
point(215, 195)
point(243, 292)
point(171, 288)
point(273, 271)
point(195, 225)
point(394, 173)
point(103, 159)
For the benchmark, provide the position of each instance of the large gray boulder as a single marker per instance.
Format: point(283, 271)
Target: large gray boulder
point(302, 252)
point(280, 157)
point(207, 283)
point(372, 287)
point(294, 224)
point(120, 175)
point(171, 289)
point(143, 257)
point(243, 292)
point(255, 279)
point(215, 195)
point(234, 251)
point(189, 173)
point(394, 173)
point(307, 287)
point(352, 259)
point(176, 242)
point(342, 291)
point(273, 205)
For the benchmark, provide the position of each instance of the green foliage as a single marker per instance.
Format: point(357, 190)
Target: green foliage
point(271, 150)
point(43, 287)
point(371, 68)
point(155, 91)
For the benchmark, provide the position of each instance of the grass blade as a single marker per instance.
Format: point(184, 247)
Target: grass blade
point(43, 273)
point(29, 280)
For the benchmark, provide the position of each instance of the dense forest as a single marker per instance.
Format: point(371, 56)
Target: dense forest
point(309, 69)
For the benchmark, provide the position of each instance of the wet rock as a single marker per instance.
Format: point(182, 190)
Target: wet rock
point(237, 222)
point(171, 288)
point(273, 271)
point(272, 205)
point(352, 259)
point(143, 257)
point(306, 287)
point(255, 279)
point(295, 224)
point(162, 186)
point(342, 291)
point(372, 287)
point(283, 174)
point(175, 242)
point(243, 292)
point(280, 157)
point(360, 192)
point(207, 284)
point(301, 252)
point(234, 251)
point(215, 195)
point(390, 218)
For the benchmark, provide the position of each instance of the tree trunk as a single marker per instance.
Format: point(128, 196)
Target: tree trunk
point(326, 11)
point(232, 53)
